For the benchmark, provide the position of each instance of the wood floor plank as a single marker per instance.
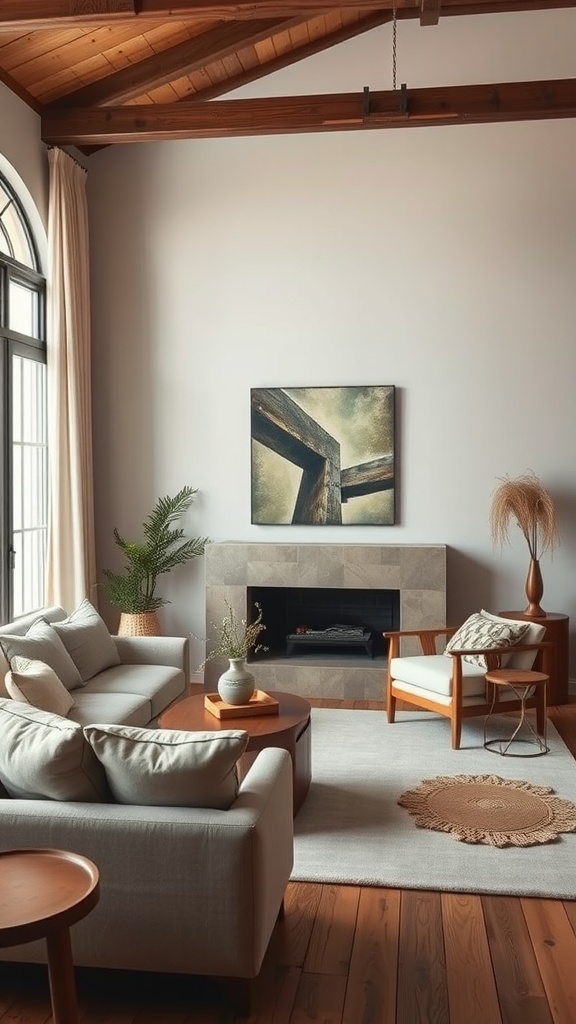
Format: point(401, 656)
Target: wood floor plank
point(372, 979)
point(274, 995)
point(422, 988)
point(570, 908)
point(471, 988)
point(520, 989)
point(333, 933)
point(291, 936)
point(554, 944)
point(319, 1000)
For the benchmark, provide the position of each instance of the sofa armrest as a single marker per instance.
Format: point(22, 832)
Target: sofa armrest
point(155, 650)
point(183, 890)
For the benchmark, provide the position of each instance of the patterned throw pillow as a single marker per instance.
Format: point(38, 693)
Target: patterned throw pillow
point(479, 632)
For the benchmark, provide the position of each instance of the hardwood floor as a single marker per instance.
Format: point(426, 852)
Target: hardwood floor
point(351, 955)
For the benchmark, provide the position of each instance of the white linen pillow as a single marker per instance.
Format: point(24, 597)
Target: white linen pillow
point(171, 768)
point(42, 643)
point(480, 632)
point(45, 756)
point(34, 682)
point(87, 639)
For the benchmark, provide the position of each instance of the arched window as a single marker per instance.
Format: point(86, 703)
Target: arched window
point(23, 442)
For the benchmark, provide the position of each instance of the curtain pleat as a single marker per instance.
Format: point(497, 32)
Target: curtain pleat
point(71, 562)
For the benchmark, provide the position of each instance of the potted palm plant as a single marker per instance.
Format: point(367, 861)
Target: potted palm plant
point(526, 502)
point(133, 590)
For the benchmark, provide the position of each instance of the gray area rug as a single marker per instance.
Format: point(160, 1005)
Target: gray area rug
point(351, 829)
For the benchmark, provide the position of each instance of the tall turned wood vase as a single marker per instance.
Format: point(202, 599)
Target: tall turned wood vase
point(534, 590)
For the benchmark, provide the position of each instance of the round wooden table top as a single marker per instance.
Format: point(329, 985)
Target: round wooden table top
point(515, 677)
point(190, 714)
point(43, 890)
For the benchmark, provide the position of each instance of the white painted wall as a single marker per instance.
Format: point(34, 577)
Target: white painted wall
point(440, 260)
point(23, 160)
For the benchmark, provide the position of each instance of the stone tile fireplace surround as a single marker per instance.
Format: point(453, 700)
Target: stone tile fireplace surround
point(417, 571)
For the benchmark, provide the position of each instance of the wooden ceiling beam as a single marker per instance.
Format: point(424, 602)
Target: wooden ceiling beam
point(173, 63)
point(30, 15)
point(472, 104)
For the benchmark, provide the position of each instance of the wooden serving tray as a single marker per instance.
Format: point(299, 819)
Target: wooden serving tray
point(260, 703)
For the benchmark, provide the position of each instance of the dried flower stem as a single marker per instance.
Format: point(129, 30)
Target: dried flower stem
point(526, 501)
point(234, 638)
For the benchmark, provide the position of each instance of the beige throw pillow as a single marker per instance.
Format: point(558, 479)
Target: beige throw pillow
point(42, 643)
point(35, 683)
point(44, 756)
point(163, 767)
point(87, 639)
point(480, 632)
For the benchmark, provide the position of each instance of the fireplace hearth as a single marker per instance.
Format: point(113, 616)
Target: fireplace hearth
point(240, 573)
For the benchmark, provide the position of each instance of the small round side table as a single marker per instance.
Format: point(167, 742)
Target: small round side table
point(521, 683)
point(42, 893)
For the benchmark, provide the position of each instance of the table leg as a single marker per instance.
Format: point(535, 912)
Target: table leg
point(61, 975)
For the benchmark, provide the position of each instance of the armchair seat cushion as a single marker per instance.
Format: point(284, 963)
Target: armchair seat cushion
point(433, 672)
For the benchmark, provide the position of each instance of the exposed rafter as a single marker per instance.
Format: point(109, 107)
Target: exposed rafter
point(476, 104)
point(175, 62)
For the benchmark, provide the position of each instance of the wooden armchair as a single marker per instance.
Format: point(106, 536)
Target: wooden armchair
point(451, 685)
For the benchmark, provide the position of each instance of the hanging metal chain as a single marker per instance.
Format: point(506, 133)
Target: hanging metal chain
point(394, 26)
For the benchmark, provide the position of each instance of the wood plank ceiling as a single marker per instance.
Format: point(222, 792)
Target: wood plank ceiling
point(116, 71)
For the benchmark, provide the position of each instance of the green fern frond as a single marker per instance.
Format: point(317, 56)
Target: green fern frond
point(163, 548)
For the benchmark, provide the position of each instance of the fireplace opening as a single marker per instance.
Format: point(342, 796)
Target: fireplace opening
point(305, 621)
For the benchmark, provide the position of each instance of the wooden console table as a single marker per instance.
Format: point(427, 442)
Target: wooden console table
point(557, 633)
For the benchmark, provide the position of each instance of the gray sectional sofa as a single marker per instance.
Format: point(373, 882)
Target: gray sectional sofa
point(152, 673)
point(183, 889)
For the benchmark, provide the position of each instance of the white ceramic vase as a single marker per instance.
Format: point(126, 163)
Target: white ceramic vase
point(236, 684)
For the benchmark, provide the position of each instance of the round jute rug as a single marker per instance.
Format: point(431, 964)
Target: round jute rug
point(489, 809)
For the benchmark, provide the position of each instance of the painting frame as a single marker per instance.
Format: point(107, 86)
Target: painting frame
point(323, 455)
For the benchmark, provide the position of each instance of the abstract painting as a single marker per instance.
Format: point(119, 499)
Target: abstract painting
point(323, 456)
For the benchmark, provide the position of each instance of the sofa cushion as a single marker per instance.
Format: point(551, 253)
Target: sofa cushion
point(42, 643)
point(44, 756)
point(160, 684)
point(35, 683)
point(111, 708)
point(481, 632)
point(165, 767)
point(87, 640)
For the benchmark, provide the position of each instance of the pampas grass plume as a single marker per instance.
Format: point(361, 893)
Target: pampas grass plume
point(525, 501)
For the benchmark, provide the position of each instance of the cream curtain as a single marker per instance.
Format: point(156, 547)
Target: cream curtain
point(71, 563)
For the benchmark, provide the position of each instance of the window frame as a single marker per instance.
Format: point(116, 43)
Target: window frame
point(14, 343)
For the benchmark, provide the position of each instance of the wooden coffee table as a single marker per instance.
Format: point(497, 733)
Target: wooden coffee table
point(289, 729)
point(42, 893)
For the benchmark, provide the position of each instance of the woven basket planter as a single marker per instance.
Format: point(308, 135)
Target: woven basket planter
point(139, 624)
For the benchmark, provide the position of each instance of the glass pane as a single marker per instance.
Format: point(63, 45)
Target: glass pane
point(30, 483)
point(14, 239)
point(29, 571)
point(28, 400)
point(23, 309)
